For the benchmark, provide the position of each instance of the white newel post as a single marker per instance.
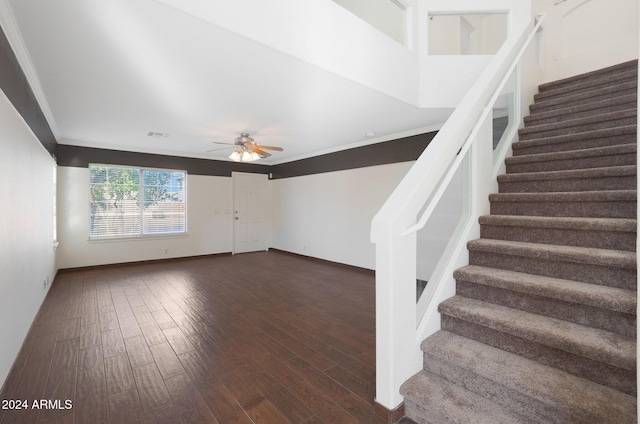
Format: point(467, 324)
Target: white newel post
point(396, 353)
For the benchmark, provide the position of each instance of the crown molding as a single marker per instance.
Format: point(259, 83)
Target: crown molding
point(10, 27)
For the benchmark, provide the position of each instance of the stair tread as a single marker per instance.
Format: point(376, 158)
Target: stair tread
point(594, 83)
point(602, 133)
point(608, 171)
point(631, 65)
point(580, 397)
point(585, 107)
point(544, 104)
point(593, 343)
point(573, 154)
point(627, 113)
point(570, 196)
point(455, 404)
point(586, 255)
point(604, 297)
point(572, 223)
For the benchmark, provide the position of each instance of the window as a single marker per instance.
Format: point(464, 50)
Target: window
point(132, 202)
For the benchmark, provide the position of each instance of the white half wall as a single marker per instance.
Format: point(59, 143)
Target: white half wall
point(319, 32)
point(328, 216)
point(209, 224)
point(27, 257)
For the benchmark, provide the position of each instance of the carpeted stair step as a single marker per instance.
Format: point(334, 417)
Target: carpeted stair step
point(593, 179)
point(527, 388)
point(580, 125)
point(607, 308)
point(424, 391)
point(600, 356)
point(629, 66)
point(599, 233)
point(614, 268)
point(587, 86)
point(597, 157)
point(593, 204)
point(608, 92)
point(614, 104)
point(599, 138)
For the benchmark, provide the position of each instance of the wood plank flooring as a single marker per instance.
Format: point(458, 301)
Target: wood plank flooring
point(263, 337)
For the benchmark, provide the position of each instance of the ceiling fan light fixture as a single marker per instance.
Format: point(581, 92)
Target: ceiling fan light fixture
point(248, 156)
point(247, 150)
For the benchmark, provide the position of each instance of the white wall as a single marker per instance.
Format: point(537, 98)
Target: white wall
point(585, 35)
point(382, 14)
point(328, 215)
point(444, 34)
point(27, 257)
point(493, 33)
point(209, 224)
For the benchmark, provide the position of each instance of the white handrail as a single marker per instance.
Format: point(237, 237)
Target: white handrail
point(394, 227)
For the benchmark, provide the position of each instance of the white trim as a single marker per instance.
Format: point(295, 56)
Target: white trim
point(14, 36)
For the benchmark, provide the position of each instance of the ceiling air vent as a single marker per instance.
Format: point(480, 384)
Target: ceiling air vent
point(157, 134)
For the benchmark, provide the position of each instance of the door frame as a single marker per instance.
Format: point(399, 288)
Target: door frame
point(264, 224)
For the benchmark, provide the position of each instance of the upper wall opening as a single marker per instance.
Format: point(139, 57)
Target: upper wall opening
point(467, 34)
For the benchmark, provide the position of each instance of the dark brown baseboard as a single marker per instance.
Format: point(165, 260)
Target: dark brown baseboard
point(389, 416)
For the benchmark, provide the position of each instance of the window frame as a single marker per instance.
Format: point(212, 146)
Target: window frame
point(141, 190)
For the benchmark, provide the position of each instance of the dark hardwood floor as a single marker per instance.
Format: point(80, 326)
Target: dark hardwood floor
point(262, 337)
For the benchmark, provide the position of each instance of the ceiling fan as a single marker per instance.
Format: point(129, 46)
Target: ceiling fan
point(247, 150)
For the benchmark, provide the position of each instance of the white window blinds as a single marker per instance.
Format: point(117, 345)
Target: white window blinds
point(129, 202)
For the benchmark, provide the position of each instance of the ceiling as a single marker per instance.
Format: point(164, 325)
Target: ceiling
point(108, 73)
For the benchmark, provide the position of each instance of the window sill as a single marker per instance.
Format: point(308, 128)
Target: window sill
point(137, 238)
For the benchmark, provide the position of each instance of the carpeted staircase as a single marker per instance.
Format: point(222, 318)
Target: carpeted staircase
point(543, 326)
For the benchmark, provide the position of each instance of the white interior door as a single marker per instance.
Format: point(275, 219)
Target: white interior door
point(250, 207)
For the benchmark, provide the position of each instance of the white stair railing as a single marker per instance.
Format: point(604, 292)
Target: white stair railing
point(465, 138)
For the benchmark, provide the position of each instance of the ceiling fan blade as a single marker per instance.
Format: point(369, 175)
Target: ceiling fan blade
point(220, 142)
point(215, 150)
point(260, 146)
point(261, 152)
